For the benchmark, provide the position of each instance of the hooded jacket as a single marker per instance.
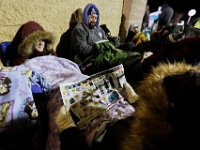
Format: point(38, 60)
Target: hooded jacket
point(21, 47)
point(83, 37)
point(151, 129)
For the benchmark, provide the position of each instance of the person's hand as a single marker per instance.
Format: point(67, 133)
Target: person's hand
point(63, 119)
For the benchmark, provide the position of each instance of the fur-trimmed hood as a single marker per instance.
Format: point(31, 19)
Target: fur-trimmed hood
point(150, 129)
point(21, 47)
point(25, 48)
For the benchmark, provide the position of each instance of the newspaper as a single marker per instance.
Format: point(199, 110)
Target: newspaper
point(97, 98)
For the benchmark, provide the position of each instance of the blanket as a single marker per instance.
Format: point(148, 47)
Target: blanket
point(55, 70)
point(18, 112)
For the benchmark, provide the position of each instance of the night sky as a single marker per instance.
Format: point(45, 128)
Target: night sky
point(178, 5)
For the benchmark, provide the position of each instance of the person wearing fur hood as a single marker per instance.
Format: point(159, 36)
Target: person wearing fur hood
point(166, 116)
point(31, 40)
point(167, 112)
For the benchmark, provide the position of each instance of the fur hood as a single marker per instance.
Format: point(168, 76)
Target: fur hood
point(21, 47)
point(150, 129)
point(25, 48)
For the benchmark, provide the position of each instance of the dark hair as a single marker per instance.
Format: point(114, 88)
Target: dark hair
point(165, 5)
point(104, 27)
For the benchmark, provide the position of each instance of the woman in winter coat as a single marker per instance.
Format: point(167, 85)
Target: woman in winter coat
point(31, 40)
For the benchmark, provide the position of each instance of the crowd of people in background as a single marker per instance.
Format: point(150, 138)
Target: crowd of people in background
point(77, 43)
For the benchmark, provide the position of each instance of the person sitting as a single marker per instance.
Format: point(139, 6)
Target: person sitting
point(63, 47)
point(85, 34)
point(93, 50)
point(166, 16)
point(135, 36)
point(31, 40)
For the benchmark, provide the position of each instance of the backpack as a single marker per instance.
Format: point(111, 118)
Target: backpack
point(3, 48)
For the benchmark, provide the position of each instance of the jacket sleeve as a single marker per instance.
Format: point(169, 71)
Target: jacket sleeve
point(79, 43)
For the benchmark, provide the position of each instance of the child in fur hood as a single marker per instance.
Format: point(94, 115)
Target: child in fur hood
point(31, 40)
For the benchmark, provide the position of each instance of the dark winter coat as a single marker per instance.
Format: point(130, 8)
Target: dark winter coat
point(166, 15)
point(83, 37)
point(63, 48)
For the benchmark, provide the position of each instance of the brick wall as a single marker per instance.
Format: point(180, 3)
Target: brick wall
point(54, 15)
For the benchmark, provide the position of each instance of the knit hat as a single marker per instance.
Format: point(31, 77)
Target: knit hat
point(92, 11)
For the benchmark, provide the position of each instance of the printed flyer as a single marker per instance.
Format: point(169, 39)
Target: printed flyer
point(97, 98)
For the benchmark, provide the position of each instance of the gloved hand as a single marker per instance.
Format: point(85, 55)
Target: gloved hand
point(63, 119)
point(115, 40)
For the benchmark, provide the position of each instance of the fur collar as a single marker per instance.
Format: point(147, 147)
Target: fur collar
point(25, 48)
point(149, 128)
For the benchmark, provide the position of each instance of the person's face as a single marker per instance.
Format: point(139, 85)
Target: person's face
point(39, 46)
point(92, 19)
point(135, 29)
